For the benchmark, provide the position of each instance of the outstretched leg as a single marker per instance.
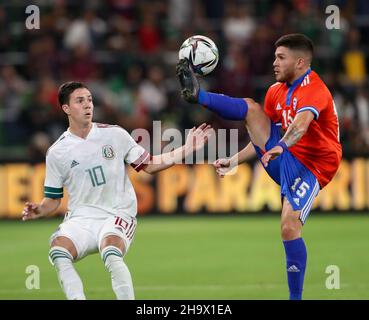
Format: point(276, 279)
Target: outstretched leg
point(112, 248)
point(295, 249)
point(61, 255)
point(256, 120)
point(257, 124)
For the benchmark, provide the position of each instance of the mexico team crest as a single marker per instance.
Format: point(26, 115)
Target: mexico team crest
point(108, 152)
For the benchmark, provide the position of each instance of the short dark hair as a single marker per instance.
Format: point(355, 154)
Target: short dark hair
point(66, 89)
point(296, 41)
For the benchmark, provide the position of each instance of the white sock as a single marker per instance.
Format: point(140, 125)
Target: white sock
point(68, 277)
point(120, 276)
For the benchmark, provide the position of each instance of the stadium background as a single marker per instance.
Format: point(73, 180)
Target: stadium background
point(204, 227)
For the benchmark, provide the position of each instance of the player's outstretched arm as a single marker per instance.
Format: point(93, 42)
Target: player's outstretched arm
point(224, 166)
point(196, 139)
point(226, 107)
point(38, 210)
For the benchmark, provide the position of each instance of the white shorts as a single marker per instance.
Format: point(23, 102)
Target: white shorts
point(87, 233)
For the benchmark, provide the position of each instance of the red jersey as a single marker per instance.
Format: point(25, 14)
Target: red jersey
point(319, 149)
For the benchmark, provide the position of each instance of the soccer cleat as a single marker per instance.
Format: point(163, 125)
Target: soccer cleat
point(189, 84)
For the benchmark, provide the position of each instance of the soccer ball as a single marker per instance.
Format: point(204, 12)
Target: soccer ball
point(201, 52)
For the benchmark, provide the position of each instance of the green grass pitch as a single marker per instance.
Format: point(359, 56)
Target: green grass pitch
point(201, 257)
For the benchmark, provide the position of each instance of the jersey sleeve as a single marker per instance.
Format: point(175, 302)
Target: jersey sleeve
point(135, 155)
point(269, 107)
point(314, 99)
point(53, 186)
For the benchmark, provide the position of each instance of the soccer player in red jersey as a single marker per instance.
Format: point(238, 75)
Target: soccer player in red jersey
point(304, 158)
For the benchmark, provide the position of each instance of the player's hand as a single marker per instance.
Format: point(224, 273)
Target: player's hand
point(222, 167)
point(31, 211)
point(197, 137)
point(190, 86)
point(271, 155)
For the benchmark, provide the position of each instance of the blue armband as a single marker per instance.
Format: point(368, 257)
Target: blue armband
point(226, 107)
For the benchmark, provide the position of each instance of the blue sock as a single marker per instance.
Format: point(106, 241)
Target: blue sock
point(224, 106)
point(296, 265)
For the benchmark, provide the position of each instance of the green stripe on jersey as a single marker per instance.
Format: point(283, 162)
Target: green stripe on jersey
point(53, 190)
point(53, 196)
point(53, 193)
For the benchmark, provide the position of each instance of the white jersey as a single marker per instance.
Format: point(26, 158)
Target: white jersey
point(93, 171)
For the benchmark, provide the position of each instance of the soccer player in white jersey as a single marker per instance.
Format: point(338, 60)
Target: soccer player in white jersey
point(88, 159)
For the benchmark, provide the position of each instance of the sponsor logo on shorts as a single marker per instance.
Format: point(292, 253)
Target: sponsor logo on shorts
point(297, 201)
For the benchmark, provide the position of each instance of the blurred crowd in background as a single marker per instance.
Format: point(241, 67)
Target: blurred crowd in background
point(126, 52)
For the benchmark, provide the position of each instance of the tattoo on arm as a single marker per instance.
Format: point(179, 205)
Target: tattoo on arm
point(293, 135)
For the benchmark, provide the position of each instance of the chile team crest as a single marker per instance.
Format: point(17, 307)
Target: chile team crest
point(294, 103)
point(108, 152)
